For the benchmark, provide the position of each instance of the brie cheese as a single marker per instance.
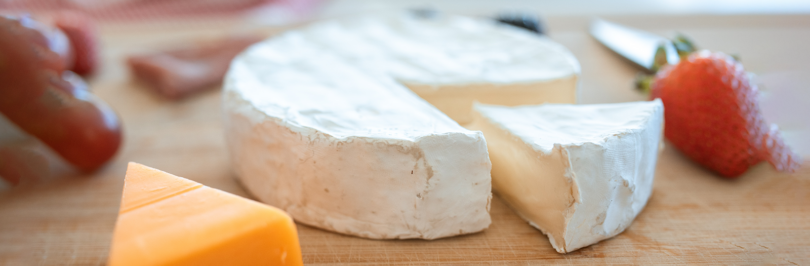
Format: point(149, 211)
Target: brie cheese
point(340, 150)
point(579, 173)
point(326, 122)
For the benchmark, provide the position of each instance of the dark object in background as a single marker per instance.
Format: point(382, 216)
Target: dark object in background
point(179, 73)
point(523, 20)
point(424, 12)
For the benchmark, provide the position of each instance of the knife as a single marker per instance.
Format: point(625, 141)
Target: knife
point(645, 49)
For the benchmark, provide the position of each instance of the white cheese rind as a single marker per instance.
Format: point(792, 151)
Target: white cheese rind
point(367, 187)
point(579, 173)
point(342, 149)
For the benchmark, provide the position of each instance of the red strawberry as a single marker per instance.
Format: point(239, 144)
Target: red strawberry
point(81, 31)
point(712, 115)
point(50, 103)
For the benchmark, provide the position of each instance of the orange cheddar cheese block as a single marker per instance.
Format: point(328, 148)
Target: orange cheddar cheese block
point(170, 220)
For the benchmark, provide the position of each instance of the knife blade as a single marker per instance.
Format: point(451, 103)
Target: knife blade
point(645, 49)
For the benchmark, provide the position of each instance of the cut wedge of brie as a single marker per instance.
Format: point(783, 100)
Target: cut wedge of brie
point(579, 173)
point(326, 122)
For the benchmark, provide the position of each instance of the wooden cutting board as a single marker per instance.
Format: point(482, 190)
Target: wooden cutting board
point(692, 217)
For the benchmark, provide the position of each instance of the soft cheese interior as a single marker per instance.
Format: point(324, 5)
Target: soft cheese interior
point(579, 173)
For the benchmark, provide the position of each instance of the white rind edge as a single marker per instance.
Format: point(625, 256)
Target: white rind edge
point(437, 199)
point(596, 216)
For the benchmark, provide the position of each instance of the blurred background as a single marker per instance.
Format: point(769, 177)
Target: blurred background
point(119, 9)
point(767, 35)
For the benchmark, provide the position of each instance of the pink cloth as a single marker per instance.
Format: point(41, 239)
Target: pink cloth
point(146, 9)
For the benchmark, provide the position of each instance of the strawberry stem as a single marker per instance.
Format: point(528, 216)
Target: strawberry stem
point(683, 45)
point(644, 82)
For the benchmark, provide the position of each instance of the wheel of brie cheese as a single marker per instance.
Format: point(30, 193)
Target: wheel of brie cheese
point(579, 173)
point(349, 125)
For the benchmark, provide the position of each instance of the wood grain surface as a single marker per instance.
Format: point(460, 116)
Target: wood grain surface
point(693, 216)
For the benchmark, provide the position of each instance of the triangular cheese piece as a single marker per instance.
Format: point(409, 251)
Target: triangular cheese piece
point(169, 220)
point(579, 173)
